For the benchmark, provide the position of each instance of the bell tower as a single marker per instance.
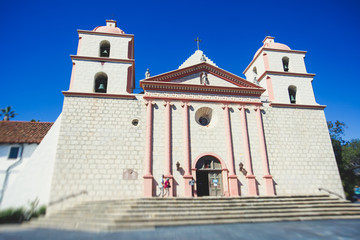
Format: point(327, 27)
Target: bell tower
point(104, 62)
point(282, 72)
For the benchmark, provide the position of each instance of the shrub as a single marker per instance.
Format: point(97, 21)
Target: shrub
point(12, 215)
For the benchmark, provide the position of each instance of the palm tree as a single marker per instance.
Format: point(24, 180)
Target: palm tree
point(7, 113)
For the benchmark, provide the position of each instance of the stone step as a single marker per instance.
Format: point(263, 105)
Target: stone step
point(152, 212)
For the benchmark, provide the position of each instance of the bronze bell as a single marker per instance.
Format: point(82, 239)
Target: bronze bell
point(101, 87)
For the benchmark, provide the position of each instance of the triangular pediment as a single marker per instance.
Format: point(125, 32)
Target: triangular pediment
point(201, 77)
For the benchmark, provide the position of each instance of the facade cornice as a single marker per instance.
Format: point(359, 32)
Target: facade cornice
point(310, 75)
point(164, 98)
point(180, 87)
point(102, 59)
point(272, 50)
point(106, 34)
point(99, 95)
point(284, 105)
point(201, 67)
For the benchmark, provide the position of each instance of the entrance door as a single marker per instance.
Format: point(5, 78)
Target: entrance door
point(208, 177)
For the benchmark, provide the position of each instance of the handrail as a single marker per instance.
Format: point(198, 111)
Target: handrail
point(330, 192)
point(67, 197)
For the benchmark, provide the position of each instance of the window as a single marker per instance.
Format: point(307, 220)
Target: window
point(203, 116)
point(104, 48)
point(292, 93)
point(14, 152)
point(101, 80)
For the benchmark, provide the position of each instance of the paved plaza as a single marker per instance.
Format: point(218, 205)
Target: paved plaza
point(326, 229)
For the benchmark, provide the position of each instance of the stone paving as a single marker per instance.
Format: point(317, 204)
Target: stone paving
point(327, 229)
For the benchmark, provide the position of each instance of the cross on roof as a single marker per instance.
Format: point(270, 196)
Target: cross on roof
point(197, 40)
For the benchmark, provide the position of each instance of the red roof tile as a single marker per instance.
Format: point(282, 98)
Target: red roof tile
point(23, 132)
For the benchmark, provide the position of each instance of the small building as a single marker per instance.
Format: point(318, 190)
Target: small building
point(18, 141)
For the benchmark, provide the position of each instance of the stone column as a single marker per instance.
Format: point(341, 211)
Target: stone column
point(168, 160)
point(233, 182)
point(251, 181)
point(269, 183)
point(148, 177)
point(187, 164)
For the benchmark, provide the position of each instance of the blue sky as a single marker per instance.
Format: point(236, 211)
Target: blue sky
point(38, 37)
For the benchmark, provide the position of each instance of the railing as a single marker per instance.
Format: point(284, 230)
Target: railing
point(67, 197)
point(330, 192)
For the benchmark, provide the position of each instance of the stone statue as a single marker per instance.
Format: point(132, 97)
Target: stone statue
point(203, 59)
point(204, 79)
point(147, 73)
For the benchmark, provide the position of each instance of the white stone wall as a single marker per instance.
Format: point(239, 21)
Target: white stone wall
point(304, 92)
point(260, 68)
point(90, 45)
point(296, 61)
point(34, 174)
point(15, 172)
point(300, 153)
point(97, 145)
point(85, 71)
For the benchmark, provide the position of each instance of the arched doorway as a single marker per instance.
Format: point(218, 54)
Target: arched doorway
point(209, 177)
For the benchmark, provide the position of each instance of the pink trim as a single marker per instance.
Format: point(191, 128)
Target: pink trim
point(180, 87)
point(286, 74)
point(187, 163)
point(270, 88)
point(233, 183)
point(102, 59)
point(201, 67)
point(105, 33)
point(286, 105)
point(223, 165)
point(167, 138)
point(101, 95)
point(265, 162)
point(129, 79)
point(273, 50)
point(266, 61)
point(148, 179)
point(246, 145)
point(79, 45)
point(200, 100)
point(131, 49)
point(251, 181)
point(72, 76)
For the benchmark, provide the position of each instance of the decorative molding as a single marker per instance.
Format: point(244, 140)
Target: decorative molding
point(285, 105)
point(102, 59)
point(99, 95)
point(310, 75)
point(200, 100)
point(201, 67)
point(106, 34)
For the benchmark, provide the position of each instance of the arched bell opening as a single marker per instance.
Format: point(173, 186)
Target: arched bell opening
point(292, 94)
point(285, 61)
point(104, 48)
point(209, 176)
point(101, 80)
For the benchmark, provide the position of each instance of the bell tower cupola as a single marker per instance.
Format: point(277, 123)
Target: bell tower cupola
point(282, 72)
point(104, 62)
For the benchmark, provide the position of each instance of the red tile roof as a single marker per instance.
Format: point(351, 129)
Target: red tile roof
point(23, 132)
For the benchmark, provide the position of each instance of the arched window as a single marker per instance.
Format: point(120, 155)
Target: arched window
point(292, 93)
point(105, 48)
point(101, 80)
point(285, 61)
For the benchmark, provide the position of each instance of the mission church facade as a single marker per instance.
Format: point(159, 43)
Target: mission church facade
point(263, 135)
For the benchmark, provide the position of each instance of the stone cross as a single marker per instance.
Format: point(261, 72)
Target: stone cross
point(197, 40)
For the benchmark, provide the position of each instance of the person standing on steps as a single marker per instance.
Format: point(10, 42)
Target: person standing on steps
point(357, 193)
point(167, 186)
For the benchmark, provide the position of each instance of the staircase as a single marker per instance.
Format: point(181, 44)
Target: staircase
point(155, 212)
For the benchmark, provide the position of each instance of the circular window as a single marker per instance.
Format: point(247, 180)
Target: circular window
point(203, 116)
point(135, 122)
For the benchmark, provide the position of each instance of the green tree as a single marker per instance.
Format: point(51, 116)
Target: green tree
point(8, 113)
point(347, 154)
